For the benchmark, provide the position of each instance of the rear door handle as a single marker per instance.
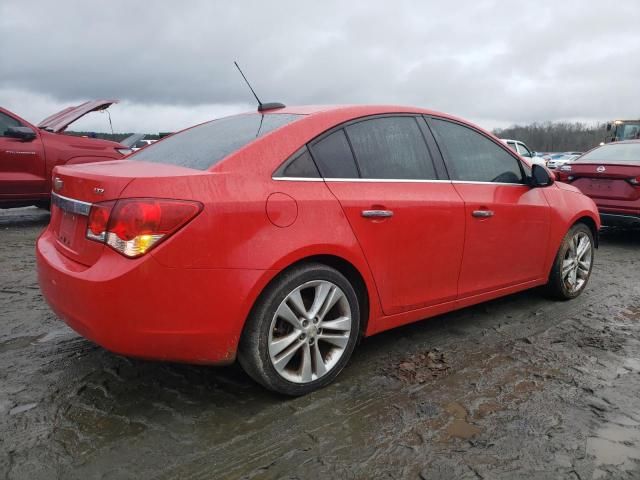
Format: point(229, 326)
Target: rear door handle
point(482, 213)
point(377, 213)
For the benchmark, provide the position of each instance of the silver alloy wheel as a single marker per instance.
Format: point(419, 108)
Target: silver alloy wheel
point(577, 262)
point(310, 331)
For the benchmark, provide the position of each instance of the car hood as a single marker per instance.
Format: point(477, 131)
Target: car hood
point(61, 120)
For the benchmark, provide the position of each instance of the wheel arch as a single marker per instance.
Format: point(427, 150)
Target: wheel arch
point(342, 265)
point(593, 226)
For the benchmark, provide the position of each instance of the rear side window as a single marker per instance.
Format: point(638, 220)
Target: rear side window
point(391, 148)
point(333, 156)
point(203, 146)
point(301, 166)
point(470, 156)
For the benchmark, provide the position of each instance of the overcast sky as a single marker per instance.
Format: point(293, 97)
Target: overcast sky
point(171, 63)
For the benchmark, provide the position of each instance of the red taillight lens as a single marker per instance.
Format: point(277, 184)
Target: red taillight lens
point(98, 220)
point(133, 226)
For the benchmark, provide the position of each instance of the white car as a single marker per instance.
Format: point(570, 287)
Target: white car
point(141, 144)
point(521, 149)
point(557, 162)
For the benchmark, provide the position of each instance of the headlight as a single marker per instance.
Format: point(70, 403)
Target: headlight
point(565, 168)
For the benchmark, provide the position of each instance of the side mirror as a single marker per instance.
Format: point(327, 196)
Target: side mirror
point(22, 133)
point(540, 176)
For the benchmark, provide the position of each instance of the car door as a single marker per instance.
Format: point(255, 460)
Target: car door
point(22, 166)
point(408, 220)
point(507, 222)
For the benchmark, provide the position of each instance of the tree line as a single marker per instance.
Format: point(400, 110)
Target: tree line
point(556, 136)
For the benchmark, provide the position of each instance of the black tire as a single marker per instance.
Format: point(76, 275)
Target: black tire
point(556, 286)
point(44, 205)
point(253, 351)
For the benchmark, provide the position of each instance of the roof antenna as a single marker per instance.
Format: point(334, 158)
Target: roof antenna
point(261, 106)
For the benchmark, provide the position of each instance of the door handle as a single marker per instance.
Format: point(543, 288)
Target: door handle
point(377, 213)
point(482, 213)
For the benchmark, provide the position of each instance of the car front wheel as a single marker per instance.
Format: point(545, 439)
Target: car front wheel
point(302, 331)
point(573, 263)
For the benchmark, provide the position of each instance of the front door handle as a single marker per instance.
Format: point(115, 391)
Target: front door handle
point(482, 213)
point(377, 213)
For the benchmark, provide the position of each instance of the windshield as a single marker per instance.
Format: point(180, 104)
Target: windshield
point(628, 131)
point(613, 152)
point(203, 146)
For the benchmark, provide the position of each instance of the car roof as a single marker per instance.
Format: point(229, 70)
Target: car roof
point(355, 110)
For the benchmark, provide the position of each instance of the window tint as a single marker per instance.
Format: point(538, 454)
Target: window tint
point(5, 122)
point(334, 157)
point(471, 156)
point(301, 166)
point(512, 146)
point(203, 146)
point(391, 147)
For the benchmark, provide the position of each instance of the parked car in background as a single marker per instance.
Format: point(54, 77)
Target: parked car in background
point(281, 237)
point(28, 153)
point(558, 160)
point(142, 143)
point(524, 151)
point(610, 174)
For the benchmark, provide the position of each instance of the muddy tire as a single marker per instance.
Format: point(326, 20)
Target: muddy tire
point(573, 264)
point(302, 330)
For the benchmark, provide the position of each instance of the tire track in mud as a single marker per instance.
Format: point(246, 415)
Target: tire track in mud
point(531, 387)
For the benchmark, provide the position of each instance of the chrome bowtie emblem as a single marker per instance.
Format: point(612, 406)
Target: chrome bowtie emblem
point(57, 184)
point(98, 190)
point(600, 169)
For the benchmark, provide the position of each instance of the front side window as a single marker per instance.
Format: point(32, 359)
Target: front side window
point(7, 122)
point(472, 157)
point(205, 145)
point(333, 156)
point(391, 148)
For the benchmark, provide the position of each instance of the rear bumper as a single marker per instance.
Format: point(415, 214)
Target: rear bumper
point(620, 219)
point(141, 308)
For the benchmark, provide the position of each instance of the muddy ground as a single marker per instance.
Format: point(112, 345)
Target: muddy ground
point(521, 387)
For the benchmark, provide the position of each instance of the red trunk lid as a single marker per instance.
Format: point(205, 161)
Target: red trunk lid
point(607, 181)
point(76, 187)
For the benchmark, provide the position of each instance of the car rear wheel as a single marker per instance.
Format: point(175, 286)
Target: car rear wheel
point(572, 267)
point(302, 331)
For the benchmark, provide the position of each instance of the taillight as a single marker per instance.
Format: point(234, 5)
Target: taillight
point(134, 226)
point(634, 181)
point(98, 220)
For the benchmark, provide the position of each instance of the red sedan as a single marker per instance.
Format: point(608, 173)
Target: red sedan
point(610, 174)
point(282, 237)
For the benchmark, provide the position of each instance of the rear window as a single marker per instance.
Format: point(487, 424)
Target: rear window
point(613, 152)
point(203, 146)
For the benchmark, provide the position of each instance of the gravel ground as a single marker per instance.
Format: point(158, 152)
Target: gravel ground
point(521, 387)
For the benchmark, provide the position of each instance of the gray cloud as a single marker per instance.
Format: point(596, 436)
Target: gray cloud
point(493, 62)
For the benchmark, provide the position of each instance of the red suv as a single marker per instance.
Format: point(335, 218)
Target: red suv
point(29, 153)
point(282, 237)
